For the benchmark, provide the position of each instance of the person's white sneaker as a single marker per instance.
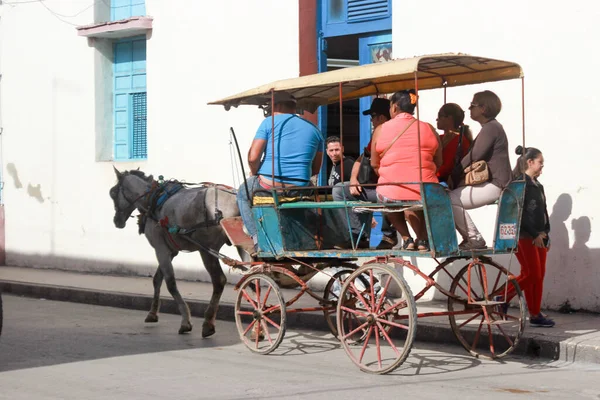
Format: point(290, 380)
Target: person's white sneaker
point(472, 244)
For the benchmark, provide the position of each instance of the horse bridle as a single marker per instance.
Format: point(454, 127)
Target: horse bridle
point(130, 202)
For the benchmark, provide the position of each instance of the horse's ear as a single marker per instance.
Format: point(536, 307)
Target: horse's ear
point(150, 178)
point(119, 174)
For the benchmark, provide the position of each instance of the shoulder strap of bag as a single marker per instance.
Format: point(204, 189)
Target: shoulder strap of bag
point(397, 137)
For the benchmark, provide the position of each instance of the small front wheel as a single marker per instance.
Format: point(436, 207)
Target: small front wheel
point(260, 314)
point(383, 315)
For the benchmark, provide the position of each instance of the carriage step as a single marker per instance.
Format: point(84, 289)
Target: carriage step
point(486, 303)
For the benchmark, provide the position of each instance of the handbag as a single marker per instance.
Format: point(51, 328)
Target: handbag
point(477, 173)
point(366, 173)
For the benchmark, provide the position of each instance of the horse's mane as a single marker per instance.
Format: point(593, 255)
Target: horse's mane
point(138, 173)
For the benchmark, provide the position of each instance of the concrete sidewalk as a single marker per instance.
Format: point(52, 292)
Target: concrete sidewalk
point(576, 337)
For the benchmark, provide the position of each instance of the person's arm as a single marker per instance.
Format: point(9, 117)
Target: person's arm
point(355, 190)
point(481, 147)
point(437, 158)
point(255, 154)
point(317, 162)
point(375, 159)
point(348, 167)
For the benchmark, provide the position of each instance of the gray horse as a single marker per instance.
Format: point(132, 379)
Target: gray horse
point(166, 211)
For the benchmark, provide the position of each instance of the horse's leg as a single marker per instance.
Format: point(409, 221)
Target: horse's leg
point(157, 282)
point(219, 280)
point(165, 256)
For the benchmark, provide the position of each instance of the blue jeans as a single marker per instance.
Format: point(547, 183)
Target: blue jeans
point(245, 205)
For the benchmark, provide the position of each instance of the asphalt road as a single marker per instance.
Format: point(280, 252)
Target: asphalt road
point(55, 350)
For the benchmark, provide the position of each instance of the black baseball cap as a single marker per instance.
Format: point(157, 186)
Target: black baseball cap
point(379, 106)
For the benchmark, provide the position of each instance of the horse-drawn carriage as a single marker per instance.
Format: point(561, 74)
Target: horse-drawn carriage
point(368, 304)
point(370, 307)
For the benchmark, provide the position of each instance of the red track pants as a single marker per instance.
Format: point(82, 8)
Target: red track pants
point(533, 270)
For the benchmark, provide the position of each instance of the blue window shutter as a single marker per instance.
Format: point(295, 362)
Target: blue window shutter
point(123, 9)
point(363, 10)
point(139, 146)
point(351, 17)
point(130, 99)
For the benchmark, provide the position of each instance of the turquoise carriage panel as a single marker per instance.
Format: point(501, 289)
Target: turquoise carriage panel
point(270, 241)
point(439, 219)
point(508, 221)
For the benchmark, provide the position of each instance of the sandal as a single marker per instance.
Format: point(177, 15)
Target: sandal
point(408, 244)
point(422, 245)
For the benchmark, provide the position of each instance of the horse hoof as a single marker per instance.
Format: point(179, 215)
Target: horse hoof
point(185, 328)
point(208, 330)
point(151, 318)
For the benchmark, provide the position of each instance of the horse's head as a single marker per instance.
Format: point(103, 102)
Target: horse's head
point(131, 187)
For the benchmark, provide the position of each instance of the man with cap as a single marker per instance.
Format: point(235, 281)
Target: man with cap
point(352, 191)
point(298, 155)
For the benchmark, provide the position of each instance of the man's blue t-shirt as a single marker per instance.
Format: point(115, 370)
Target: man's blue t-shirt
point(296, 143)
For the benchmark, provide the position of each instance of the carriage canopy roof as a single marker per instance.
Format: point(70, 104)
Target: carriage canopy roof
point(433, 71)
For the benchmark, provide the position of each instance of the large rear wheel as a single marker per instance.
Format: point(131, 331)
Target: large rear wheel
point(376, 322)
point(484, 323)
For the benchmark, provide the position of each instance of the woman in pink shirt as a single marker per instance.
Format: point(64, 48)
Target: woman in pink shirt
point(395, 158)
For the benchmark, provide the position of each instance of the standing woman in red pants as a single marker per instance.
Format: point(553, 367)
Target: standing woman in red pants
point(533, 240)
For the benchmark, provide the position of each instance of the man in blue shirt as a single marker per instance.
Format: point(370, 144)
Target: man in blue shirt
point(298, 155)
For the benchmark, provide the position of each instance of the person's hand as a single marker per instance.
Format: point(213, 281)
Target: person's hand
point(355, 190)
point(373, 223)
point(539, 240)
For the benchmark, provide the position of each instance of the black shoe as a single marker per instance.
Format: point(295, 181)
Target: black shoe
point(422, 245)
point(387, 242)
point(408, 244)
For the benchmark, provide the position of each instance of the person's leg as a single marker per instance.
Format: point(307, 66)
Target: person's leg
point(538, 283)
point(528, 257)
point(467, 198)
point(341, 192)
point(245, 205)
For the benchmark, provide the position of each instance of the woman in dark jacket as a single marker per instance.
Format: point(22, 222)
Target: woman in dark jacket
point(533, 239)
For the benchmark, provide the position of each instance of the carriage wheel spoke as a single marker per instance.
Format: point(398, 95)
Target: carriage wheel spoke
point(267, 295)
point(372, 289)
point(377, 344)
point(470, 319)
point(269, 320)
point(266, 329)
point(272, 309)
point(245, 313)
point(249, 327)
point(364, 347)
point(360, 296)
point(495, 287)
point(384, 293)
point(476, 340)
point(247, 297)
point(390, 323)
point(387, 337)
point(359, 328)
point(354, 311)
point(505, 335)
point(257, 288)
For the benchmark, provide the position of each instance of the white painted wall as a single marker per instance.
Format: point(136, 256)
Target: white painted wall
point(198, 51)
point(555, 43)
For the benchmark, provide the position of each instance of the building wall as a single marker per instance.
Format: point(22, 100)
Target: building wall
point(55, 117)
point(553, 42)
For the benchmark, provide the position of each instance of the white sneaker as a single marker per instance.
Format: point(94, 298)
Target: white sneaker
point(472, 244)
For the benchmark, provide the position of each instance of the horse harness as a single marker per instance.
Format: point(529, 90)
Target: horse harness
point(162, 191)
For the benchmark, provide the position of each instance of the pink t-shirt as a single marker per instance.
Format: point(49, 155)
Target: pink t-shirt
point(401, 163)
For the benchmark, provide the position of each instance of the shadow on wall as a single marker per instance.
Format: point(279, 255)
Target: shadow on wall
point(572, 277)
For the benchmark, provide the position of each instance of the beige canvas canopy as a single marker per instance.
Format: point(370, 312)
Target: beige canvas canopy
point(433, 71)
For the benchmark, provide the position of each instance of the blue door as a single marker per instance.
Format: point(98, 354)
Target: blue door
point(372, 49)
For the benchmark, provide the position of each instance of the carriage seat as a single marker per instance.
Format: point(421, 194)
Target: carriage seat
point(270, 200)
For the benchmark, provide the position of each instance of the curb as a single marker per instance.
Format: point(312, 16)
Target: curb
point(426, 332)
